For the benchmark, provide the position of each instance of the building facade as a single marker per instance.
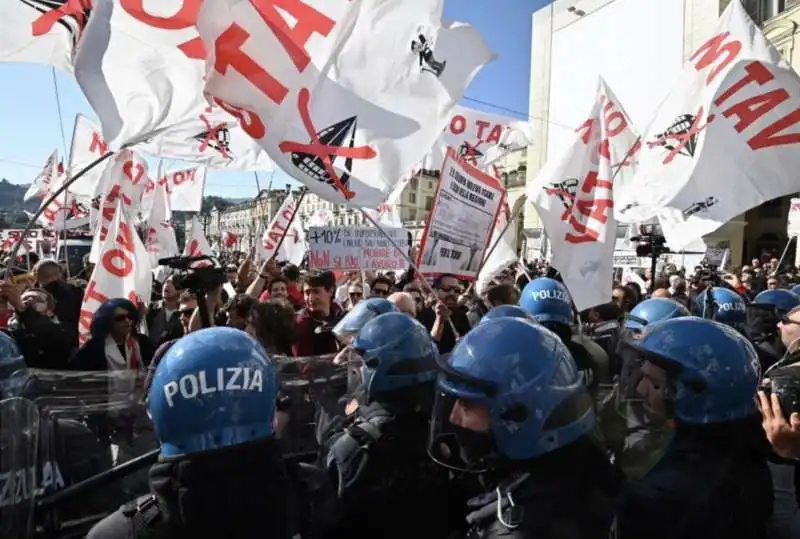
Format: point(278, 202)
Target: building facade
point(639, 47)
point(414, 204)
point(243, 219)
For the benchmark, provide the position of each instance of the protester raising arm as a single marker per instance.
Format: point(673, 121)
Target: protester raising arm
point(269, 270)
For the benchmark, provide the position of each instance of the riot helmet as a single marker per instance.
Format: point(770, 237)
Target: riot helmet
point(694, 370)
point(364, 311)
point(724, 305)
point(391, 352)
point(510, 391)
point(214, 388)
point(547, 300)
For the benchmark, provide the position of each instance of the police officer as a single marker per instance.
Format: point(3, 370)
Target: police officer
point(637, 439)
point(348, 327)
point(712, 481)
point(764, 314)
point(512, 406)
point(387, 485)
point(220, 472)
point(550, 304)
point(723, 305)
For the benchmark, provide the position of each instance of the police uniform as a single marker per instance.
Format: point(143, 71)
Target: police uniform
point(212, 402)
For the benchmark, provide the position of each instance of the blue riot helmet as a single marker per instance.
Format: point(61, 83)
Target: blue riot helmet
point(507, 311)
point(796, 290)
point(696, 370)
point(391, 352)
point(547, 300)
point(782, 300)
point(214, 388)
point(510, 391)
point(654, 310)
point(725, 306)
point(364, 311)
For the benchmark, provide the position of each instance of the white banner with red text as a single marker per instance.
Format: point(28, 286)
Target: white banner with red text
point(725, 140)
point(574, 196)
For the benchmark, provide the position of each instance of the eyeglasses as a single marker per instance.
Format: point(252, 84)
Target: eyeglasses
point(187, 312)
point(785, 320)
point(356, 294)
point(123, 317)
point(447, 289)
point(380, 292)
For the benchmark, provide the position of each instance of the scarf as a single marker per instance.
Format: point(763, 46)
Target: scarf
point(114, 359)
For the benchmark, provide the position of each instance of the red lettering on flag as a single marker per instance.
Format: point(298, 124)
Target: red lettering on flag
point(98, 145)
point(716, 51)
point(588, 209)
point(134, 171)
point(323, 151)
point(185, 17)
point(228, 53)
point(309, 21)
point(249, 120)
point(117, 262)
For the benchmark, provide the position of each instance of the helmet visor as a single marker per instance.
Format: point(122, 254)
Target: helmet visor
point(461, 426)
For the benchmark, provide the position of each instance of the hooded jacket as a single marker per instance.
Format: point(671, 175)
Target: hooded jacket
point(92, 355)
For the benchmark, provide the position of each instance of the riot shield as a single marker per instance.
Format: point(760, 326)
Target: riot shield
point(312, 389)
point(90, 422)
point(19, 441)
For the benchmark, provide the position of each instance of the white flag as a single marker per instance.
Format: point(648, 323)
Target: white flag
point(184, 188)
point(40, 185)
point(123, 183)
point(87, 146)
point(122, 271)
point(278, 230)
point(502, 257)
point(141, 66)
point(725, 140)
point(478, 137)
point(350, 131)
point(196, 243)
point(212, 138)
point(574, 196)
point(42, 31)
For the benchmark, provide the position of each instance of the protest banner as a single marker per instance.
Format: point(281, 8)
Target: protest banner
point(11, 236)
point(348, 248)
point(461, 221)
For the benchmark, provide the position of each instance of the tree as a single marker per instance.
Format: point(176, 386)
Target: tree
point(212, 201)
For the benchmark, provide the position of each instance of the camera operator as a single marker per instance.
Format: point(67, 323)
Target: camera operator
point(779, 403)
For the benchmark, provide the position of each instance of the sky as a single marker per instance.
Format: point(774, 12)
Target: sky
point(30, 128)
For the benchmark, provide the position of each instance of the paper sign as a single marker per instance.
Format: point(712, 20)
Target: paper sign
point(793, 222)
point(461, 221)
point(349, 248)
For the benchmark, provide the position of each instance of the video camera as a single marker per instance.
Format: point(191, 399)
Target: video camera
point(785, 383)
point(651, 242)
point(195, 272)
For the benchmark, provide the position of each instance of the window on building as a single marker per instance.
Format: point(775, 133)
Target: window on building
point(413, 183)
point(428, 203)
point(430, 184)
point(412, 197)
